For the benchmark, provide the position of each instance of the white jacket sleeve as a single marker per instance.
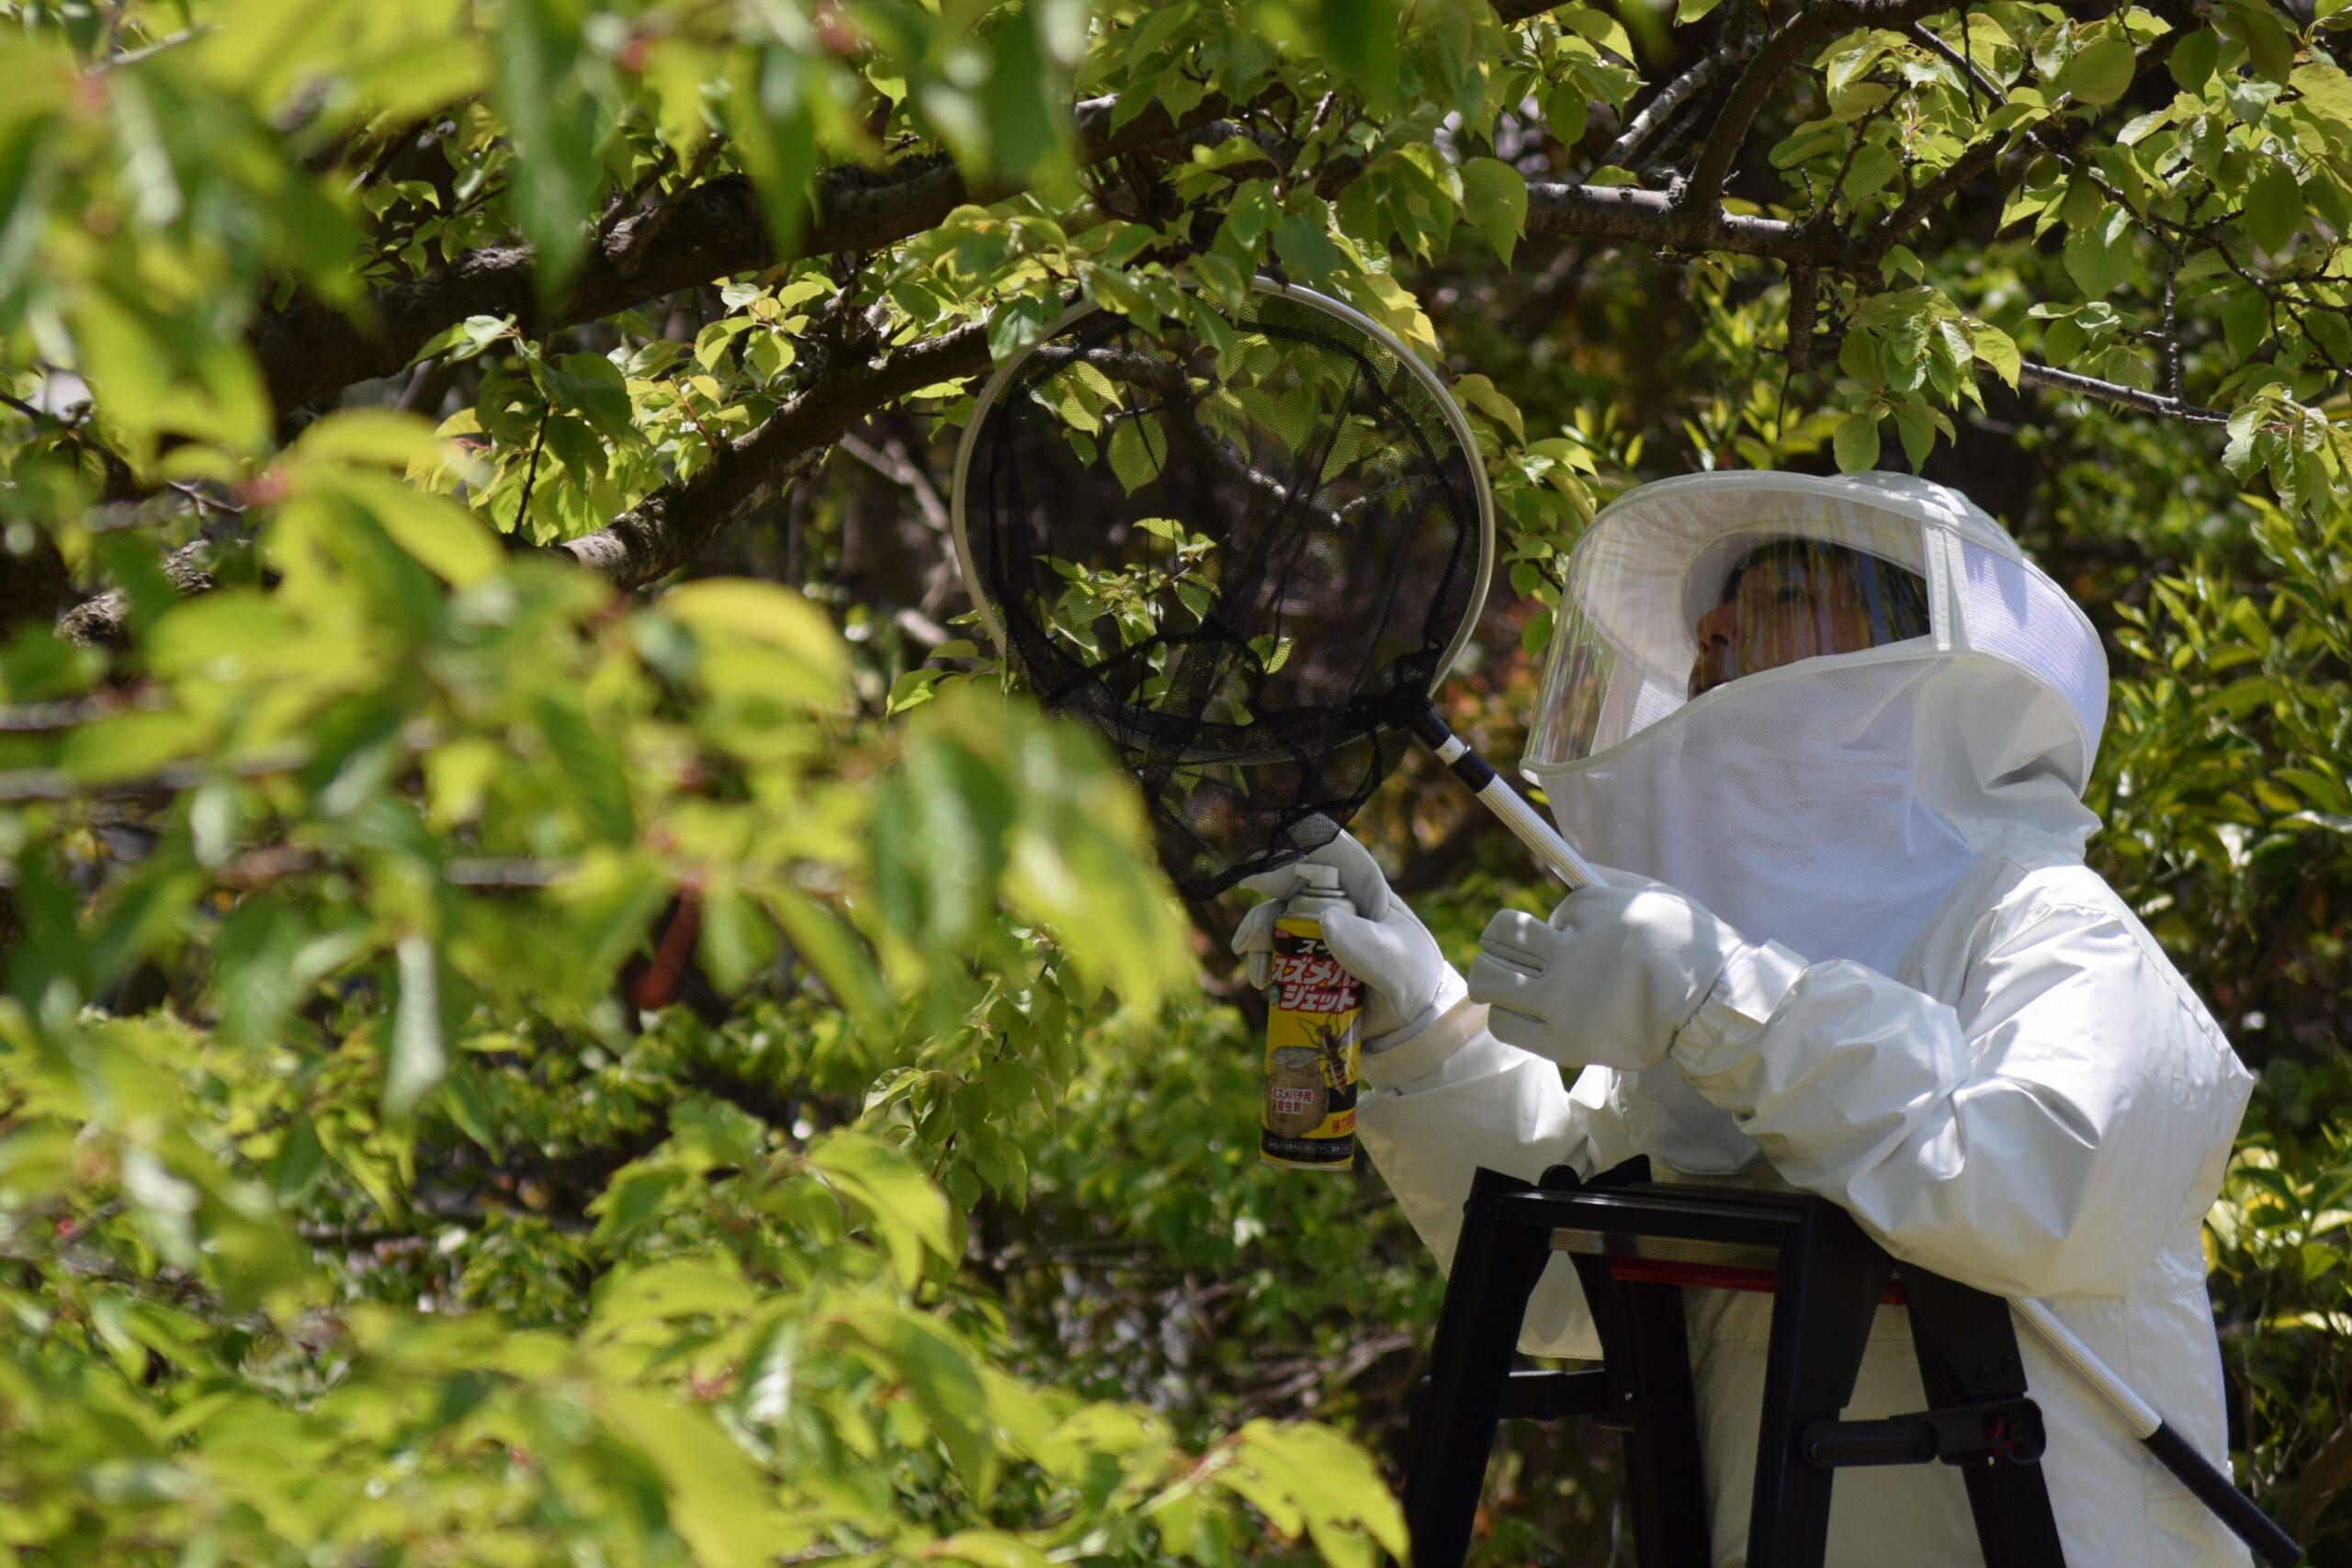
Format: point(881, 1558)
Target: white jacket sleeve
point(1452, 1099)
point(2045, 1137)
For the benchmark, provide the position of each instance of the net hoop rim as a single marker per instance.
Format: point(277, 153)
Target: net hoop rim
point(1456, 421)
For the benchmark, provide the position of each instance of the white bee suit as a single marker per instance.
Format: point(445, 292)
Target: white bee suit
point(1940, 1018)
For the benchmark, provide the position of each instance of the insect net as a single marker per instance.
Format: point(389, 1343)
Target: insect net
point(1243, 549)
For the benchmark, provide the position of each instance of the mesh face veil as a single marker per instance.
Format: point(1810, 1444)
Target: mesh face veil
point(1811, 703)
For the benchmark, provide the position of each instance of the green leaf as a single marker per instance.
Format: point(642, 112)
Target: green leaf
point(939, 1373)
point(2064, 339)
point(2098, 255)
point(1017, 323)
point(736, 944)
point(761, 611)
point(552, 117)
point(1687, 11)
point(1139, 449)
point(1479, 392)
point(2192, 58)
point(591, 770)
point(300, 1162)
point(1494, 199)
point(714, 1499)
point(2325, 92)
point(1874, 166)
point(832, 950)
point(2274, 207)
point(1306, 248)
point(26, 178)
point(1997, 349)
point(2270, 48)
point(989, 1548)
point(447, 539)
point(418, 1058)
point(910, 1215)
point(1855, 443)
point(769, 111)
point(708, 1286)
point(1019, 97)
point(2246, 321)
point(1916, 424)
point(2099, 73)
point(1358, 39)
point(592, 385)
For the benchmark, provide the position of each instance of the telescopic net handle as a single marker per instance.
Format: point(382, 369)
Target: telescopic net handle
point(2169, 1448)
point(1505, 802)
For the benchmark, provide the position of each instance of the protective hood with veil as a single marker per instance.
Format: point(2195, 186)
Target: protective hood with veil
point(1929, 1010)
point(1831, 802)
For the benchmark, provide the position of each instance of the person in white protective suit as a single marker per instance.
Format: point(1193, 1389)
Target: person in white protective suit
point(1836, 731)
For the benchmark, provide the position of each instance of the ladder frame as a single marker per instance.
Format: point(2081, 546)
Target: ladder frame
point(1636, 1245)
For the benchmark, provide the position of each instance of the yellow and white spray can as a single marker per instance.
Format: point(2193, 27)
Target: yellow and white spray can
point(1314, 1029)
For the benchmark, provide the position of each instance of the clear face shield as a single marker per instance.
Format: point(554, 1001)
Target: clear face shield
point(1668, 604)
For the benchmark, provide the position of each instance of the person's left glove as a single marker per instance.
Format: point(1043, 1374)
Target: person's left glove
point(1610, 978)
point(1381, 943)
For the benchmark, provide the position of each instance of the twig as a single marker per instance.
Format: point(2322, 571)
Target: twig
point(531, 475)
point(2168, 349)
point(68, 713)
point(1639, 132)
point(648, 228)
point(1971, 77)
point(2115, 392)
point(625, 202)
point(20, 784)
point(664, 530)
point(1699, 197)
point(893, 464)
point(149, 51)
point(1973, 160)
point(122, 484)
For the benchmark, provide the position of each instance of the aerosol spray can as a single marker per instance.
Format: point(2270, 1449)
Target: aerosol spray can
point(1314, 1027)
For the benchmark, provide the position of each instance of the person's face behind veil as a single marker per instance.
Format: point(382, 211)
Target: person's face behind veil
point(1793, 600)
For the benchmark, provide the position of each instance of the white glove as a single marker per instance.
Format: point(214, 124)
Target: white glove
point(1611, 979)
point(1381, 943)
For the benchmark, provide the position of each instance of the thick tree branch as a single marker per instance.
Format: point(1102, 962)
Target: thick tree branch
point(105, 621)
point(309, 349)
point(663, 531)
point(1629, 215)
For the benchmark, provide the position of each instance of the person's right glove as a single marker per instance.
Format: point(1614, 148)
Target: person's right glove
point(1381, 943)
point(1610, 978)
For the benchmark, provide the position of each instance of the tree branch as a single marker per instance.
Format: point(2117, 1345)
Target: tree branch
point(1630, 214)
point(1645, 126)
point(105, 621)
point(1699, 195)
point(664, 530)
point(309, 349)
point(2117, 394)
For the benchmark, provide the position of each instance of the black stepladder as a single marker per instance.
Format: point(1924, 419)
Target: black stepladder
point(1636, 1245)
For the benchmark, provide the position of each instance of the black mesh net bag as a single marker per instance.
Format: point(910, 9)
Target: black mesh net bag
point(1242, 549)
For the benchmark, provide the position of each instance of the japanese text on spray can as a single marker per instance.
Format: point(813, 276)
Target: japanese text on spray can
point(1314, 1017)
